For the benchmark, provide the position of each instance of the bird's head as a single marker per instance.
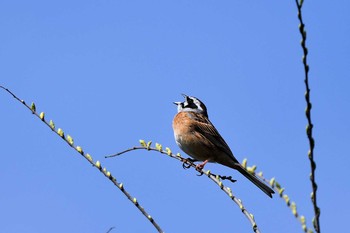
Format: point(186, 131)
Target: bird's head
point(191, 104)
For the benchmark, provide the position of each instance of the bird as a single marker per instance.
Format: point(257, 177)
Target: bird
point(198, 138)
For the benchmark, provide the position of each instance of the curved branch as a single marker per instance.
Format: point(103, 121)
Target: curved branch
point(97, 164)
point(217, 179)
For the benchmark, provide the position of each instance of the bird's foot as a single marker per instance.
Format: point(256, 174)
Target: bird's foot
point(186, 163)
point(199, 167)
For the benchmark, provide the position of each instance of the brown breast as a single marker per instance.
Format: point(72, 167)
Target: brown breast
point(182, 123)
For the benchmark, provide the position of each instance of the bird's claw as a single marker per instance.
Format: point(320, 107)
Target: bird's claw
point(199, 167)
point(187, 163)
point(200, 172)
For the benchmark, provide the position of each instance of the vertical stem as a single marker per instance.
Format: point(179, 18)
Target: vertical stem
point(316, 219)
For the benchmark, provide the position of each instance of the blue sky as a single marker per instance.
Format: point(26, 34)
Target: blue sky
point(107, 72)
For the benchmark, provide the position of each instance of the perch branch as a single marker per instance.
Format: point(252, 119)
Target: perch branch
point(217, 179)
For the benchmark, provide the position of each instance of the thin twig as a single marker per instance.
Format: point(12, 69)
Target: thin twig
point(88, 157)
point(110, 229)
point(317, 211)
point(291, 204)
point(215, 178)
point(178, 157)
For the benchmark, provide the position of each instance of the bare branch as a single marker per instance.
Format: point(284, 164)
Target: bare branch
point(309, 127)
point(217, 179)
point(87, 156)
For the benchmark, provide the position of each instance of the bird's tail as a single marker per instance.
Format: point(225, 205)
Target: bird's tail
point(266, 189)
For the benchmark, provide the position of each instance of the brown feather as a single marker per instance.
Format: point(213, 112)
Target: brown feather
point(198, 137)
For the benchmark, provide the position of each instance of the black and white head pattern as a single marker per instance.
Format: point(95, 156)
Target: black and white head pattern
point(192, 104)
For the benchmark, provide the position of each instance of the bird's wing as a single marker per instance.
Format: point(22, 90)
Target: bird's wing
point(208, 130)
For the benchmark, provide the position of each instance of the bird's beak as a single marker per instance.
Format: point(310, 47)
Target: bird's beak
point(177, 103)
